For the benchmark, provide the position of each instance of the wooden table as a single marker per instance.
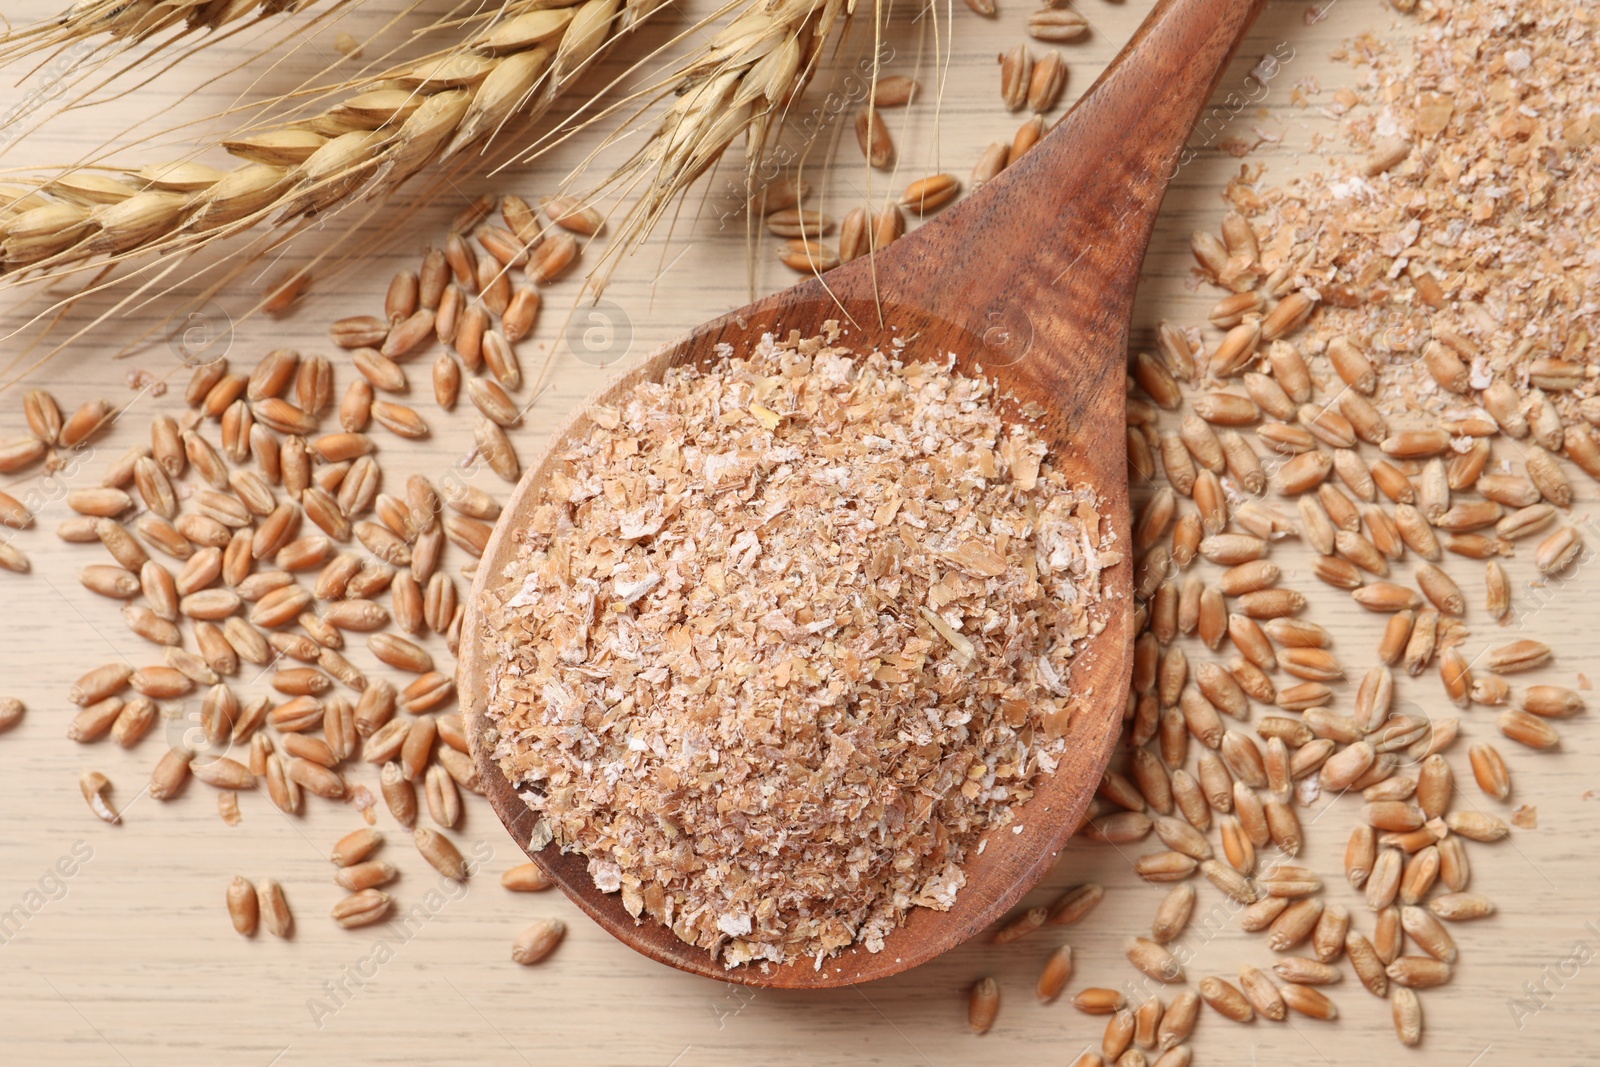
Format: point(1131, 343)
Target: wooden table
point(114, 944)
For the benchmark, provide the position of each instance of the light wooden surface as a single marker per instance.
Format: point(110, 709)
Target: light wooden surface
point(131, 959)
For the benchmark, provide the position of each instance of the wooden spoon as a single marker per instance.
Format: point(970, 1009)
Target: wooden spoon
point(1032, 278)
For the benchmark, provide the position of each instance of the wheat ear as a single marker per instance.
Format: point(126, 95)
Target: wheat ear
point(387, 128)
point(741, 84)
point(97, 42)
point(132, 21)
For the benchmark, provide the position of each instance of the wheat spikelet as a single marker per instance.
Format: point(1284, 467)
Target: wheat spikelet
point(385, 129)
point(96, 42)
point(131, 21)
point(741, 84)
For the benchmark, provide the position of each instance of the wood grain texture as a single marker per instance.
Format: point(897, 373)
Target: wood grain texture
point(131, 958)
point(1093, 187)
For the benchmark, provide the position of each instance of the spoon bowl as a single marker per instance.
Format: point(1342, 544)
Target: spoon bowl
point(1029, 281)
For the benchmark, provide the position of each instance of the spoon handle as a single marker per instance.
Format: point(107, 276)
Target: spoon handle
point(1041, 264)
point(1112, 156)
